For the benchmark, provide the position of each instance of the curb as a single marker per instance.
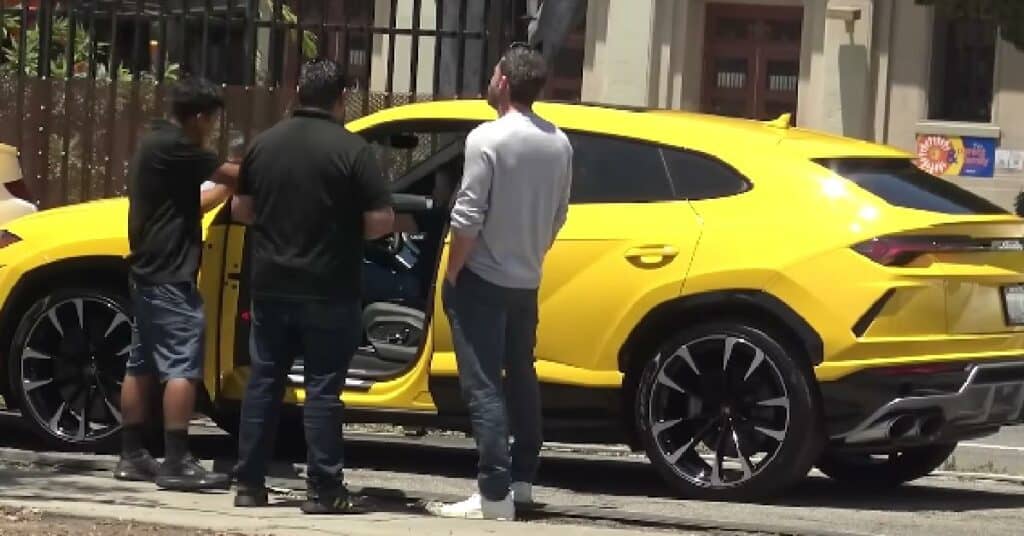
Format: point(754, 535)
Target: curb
point(968, 476)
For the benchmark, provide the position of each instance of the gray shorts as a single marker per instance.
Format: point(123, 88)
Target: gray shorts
point(169, 332)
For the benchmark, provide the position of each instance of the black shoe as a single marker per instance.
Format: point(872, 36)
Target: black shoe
point(251, 496)
point(330, 501)
point(188, 475)
point(138, 467)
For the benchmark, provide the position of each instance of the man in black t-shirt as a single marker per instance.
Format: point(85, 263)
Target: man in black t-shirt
point(165, 235)
point(313, 193)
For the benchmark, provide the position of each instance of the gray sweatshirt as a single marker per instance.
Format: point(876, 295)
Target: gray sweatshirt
point(514, 197)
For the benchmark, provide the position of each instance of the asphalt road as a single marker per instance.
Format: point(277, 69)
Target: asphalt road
point(616, 482)
point(1001, 453)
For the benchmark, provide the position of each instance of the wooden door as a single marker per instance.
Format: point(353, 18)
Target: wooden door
point(751, 60)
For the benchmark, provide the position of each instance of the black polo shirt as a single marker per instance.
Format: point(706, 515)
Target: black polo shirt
point(311, 180)
point(164, 216)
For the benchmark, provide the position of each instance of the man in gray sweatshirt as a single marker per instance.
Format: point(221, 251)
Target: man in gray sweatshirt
point(513, 201)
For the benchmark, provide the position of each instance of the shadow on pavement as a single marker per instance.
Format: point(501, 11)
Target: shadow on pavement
point(612, 477)
point(632, 478)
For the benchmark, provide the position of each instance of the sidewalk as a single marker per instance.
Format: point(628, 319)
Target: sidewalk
point(98, 496)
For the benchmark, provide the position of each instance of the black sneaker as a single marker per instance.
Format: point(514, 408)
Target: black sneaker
point(138, 467)
point(330, 501)
point(248, 496)
point(188, 475)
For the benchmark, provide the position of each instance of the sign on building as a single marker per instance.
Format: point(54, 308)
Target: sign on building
point(956, 156)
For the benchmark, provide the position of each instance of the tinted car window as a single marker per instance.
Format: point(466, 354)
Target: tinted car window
point(696, 176)
point(900, 183)
point(611, 170)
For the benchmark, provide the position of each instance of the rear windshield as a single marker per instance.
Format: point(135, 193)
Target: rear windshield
point(900, 183)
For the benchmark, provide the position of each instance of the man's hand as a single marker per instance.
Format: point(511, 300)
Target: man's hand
point(226, 174)
point(212, 197)
point(458, 253)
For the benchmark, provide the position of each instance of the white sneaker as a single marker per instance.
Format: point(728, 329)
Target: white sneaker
point(476, 507)
point(522, 492)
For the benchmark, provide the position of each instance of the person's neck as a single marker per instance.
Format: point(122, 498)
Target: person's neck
point(191, 133)
point(514, 107)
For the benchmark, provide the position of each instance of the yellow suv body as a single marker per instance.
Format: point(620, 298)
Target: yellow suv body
point(740, 299)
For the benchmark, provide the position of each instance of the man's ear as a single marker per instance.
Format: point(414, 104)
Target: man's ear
point(339, 108)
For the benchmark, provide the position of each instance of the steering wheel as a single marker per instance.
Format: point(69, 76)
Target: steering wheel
point(394, 243)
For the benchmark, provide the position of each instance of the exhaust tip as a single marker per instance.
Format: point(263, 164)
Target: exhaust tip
point(932, 425)
point(902, 426)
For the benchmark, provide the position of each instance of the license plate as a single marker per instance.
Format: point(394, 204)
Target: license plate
point(1013, 304)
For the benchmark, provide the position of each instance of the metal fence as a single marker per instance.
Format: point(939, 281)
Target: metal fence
point(79, 80)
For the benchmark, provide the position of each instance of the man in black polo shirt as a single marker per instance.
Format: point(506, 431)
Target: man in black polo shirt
point(165, 235)
point(313, 192)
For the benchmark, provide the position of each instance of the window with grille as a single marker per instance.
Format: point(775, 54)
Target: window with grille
point(963, 64)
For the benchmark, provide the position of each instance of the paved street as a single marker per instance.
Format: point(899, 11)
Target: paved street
point(598, 491)
point(1002, 453)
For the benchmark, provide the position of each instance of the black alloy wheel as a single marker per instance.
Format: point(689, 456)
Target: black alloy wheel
point(67, 365)
point(726, 412)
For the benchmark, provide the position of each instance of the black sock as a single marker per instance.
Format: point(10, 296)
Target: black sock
point(176, 445)
point(131, 440)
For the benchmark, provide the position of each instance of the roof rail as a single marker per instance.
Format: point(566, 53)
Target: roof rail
point(781, 122)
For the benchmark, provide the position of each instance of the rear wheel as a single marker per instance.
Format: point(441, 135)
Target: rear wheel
point(885, 470)
point(727, 413)
point(67, 365)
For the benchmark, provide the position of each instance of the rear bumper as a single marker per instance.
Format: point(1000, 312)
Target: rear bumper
point(886, 409)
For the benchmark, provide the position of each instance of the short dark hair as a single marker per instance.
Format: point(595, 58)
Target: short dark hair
point(321, 84)
point(192, 96)
point(526, 71)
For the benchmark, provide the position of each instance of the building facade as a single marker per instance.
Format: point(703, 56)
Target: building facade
point(942, 85)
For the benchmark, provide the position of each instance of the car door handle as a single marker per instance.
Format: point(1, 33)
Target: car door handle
point(234, 276)
point(660, 253)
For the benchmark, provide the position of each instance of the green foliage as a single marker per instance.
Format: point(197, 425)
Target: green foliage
point(61, 66)
point(310, 41)
point(1009, 14)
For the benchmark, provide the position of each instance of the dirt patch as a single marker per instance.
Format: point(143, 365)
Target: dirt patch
point(31, 522)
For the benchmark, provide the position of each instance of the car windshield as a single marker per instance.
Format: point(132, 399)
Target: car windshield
point(900, 183)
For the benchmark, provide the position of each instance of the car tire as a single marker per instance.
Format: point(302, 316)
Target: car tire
point(892, 470)
point(67, 363)
point(739, 393)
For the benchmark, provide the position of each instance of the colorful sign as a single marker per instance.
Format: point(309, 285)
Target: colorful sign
point(964, 157)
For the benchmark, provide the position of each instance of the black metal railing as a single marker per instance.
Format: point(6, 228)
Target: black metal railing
point(81, 79)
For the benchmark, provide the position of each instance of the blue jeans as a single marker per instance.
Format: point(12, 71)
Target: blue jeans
point(326, 335)
point(168, 334)
point(494, 330)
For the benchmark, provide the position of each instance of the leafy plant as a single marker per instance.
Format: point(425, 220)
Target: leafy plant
point(61, 67)
point(310, 41)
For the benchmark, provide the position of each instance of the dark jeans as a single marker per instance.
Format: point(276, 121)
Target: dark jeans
point(326, 335)
point(494, 330)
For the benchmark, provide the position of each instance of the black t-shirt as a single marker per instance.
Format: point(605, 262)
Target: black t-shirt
point(164, 216)
point(311, 180)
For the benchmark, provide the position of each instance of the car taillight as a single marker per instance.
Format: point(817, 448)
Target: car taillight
point(19, 189)
point(902, 250)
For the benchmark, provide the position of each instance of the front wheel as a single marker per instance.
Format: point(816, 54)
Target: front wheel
point(885, 470)
point(727, 413)
point(67, 363)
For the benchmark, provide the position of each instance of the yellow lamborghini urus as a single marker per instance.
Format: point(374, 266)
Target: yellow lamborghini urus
point(741, 300)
